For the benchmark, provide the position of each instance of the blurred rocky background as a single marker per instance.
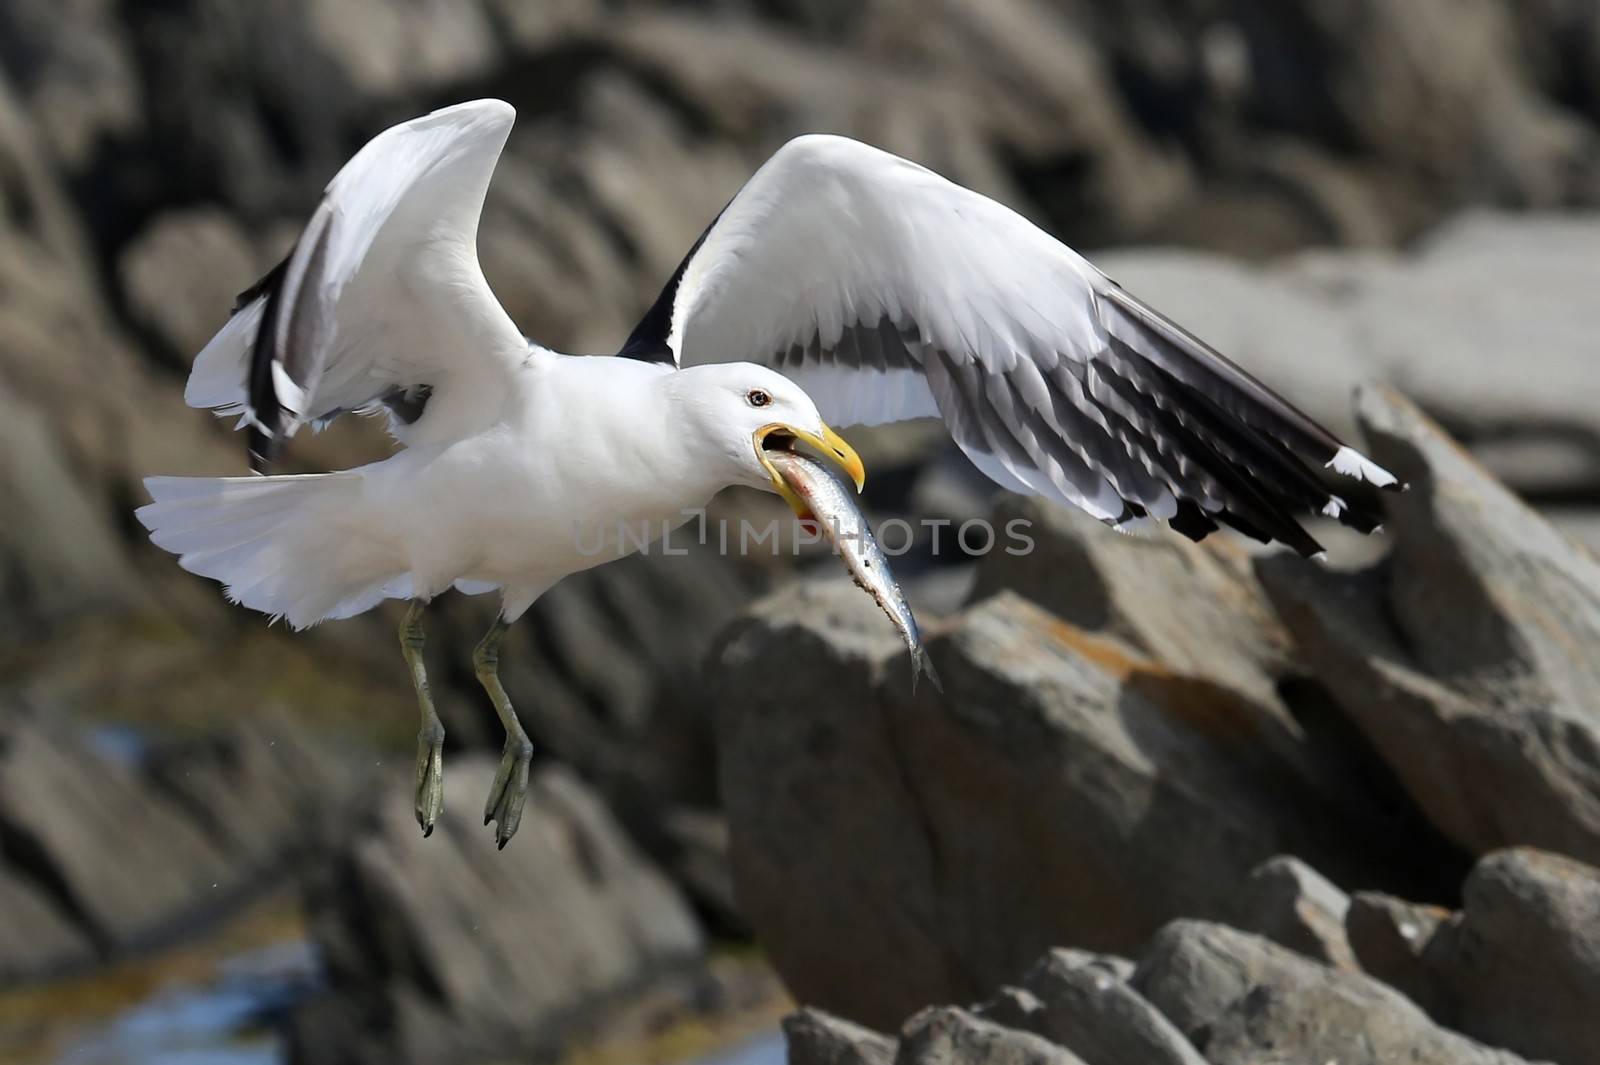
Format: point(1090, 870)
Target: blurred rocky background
point(1181, 804)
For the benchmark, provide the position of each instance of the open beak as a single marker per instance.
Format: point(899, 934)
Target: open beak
point(830, 445)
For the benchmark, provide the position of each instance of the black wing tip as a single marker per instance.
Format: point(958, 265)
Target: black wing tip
point(263, 449)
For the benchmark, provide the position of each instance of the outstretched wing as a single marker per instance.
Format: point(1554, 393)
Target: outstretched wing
point(382, 295)
point(889, 293)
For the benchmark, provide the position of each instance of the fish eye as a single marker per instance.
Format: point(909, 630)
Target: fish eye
point(758, 397)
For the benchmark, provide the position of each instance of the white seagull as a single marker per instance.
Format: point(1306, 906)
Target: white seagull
point(840, 281)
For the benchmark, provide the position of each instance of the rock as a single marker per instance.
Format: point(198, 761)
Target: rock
point(104, 856)
point(1195, 608)
point(79, 80)
point(1239, 998)
point(946, 1035)
point(1065, 789)
point(1290, 903)
point(39, 938)
point(445, 948)
point(1520, 967)
point(697, 845)
point(258, 789)
point(61, 554)
point(1080, 1001)
point(181, 275)
point(817, 1038)
point(127, 867)
point(1390, 939)
point(386, 48)
point(1468, 655)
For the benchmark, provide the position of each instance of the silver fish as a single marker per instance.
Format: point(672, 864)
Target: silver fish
point(833, 506)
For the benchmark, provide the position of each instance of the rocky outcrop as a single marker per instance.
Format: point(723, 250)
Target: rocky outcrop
point(1238, 996)
point(1064, 789)
point(817, 1038)
point(1390, 938)
point(947, 1034)
point(1093, 770)
point(1292, 904)
point(1518, 966)
point(100, 857)
point(444, 948)
point(1082, 1002)
point(1467, 656)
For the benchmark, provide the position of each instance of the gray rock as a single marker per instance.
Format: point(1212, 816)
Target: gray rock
point(1241, 999)
point(79, 80)
point(949, 1036)
point(817, 1038)
point(1390, 939)
point(1469, 655)
point(1065, 789)
point(445, 948)
point(259, 790)
point(61, 552)
point(107, 855)
point(126, 866)
point(1080, 1001)
point(38, 938)
point(386, 48)
point(180, 276)
point(1195, 608)
point(1520, 967)
point(1297, 907)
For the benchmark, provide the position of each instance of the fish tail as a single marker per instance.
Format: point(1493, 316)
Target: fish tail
point(922, 665)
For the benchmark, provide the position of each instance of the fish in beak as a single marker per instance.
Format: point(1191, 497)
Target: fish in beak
point(829, 445)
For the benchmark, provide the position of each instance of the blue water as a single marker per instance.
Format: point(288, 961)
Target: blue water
point(765, 1049)
point(216, 1024)
point(222, 1021)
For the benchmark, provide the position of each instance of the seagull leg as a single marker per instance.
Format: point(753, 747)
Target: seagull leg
point(510, 785)
point(430, 739)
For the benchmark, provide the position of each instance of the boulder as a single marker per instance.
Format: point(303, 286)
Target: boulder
point(61, 554)
point(1468, 655)
point(889, 851)
point(105, 855)
point(1390, 938)
point(179, 278)
point(79, 80)
point(1082, 1002)
point(124, 865)
point(445, 948)
point(817, 1038)
point(1520, 966)
point(1292, 904)
point(1195, 608)
point(1240, 998)
point(39, 937)
point(256, 788)
point(944, 1035)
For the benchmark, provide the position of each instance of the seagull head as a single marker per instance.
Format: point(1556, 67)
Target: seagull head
point(745, 412)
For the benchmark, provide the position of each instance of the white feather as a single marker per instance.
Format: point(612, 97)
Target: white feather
point(1352, 463)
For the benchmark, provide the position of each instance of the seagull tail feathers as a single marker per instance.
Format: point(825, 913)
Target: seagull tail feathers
point(295, 547)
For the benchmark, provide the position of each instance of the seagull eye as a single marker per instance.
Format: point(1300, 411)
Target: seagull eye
point(758, 397)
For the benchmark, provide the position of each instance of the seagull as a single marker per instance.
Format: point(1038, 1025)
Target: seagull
point(840, 282)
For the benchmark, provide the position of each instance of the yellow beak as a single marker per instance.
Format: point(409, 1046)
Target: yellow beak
point(830, 445)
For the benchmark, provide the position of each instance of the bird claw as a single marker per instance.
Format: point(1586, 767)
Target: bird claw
point(509, 790)
point(430, 779)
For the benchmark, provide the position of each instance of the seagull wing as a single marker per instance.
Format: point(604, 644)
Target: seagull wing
point(888, 293)
point(382, 298)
